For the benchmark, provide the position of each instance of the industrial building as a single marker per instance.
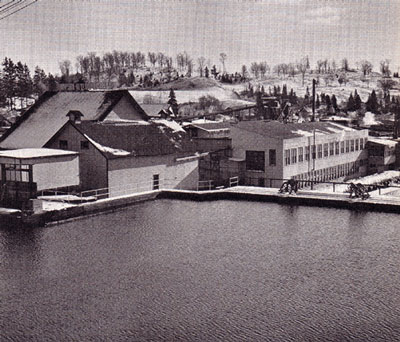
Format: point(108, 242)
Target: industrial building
point(316, 151)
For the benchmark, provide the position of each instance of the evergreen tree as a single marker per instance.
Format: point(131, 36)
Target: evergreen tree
point(214, 71)
point(351, 103)
point(357, 101)
point(317, 102)
point(206, 72)
point(262, 90)
point(9, 81)
point(24, 87)
point(39, 81)
point(172, 102)
point(372, 103)
point(51, 83)
point(284, 90)
point(328, 101)
point(334, 102)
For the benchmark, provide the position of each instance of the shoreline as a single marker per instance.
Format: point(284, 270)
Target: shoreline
point(240, 193)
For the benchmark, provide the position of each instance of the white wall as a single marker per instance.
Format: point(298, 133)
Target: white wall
point(135, 174)
point(56, 174)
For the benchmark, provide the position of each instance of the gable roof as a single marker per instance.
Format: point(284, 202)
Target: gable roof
point(128, 139)
point(42, 120)
point(278, 130)
point(154, 110)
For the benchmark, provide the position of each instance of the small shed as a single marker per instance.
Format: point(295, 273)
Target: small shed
point(26, 171)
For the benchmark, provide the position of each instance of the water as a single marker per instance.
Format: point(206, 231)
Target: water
point(173, 270)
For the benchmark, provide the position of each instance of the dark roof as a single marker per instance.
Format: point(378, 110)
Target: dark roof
point(278, 130)
point(139, 139)
point(42, 120)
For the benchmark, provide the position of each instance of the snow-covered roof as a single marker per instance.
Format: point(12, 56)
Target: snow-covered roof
point(171, 124)
point(386, 142)
point(31, 153)
point(280, 130)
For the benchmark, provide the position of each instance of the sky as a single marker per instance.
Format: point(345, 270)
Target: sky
point(274, 31)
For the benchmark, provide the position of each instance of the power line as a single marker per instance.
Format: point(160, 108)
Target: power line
point(7, 4)
point(20, 9)
point(11, 6)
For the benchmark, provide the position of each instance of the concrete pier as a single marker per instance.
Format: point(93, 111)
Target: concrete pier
point(376, 202)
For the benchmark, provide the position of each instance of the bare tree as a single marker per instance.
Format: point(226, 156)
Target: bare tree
point(345, 64)
point(386, 84)
point(320, 64)
point(384, 67)
point(366, 67)
point(255, 69)
point(292, 69)
point(201, 61)
point(222, 58)
point(263, 68)
point(244, 71)
point(65, 67)
point(161, 59)
point(152, 58)
point(302, 67)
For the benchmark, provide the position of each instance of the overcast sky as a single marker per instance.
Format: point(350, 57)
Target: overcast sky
point(246, 30)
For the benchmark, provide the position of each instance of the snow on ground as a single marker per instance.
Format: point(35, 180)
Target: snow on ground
point(51, 205)
point(114, 151)
point(367, 180)
point(369, 119)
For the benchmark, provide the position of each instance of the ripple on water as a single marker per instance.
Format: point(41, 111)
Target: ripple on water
point(188, 271)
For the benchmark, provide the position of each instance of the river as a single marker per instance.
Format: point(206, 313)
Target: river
point(170, 270)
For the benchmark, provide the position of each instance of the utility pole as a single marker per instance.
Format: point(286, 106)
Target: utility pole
point(314, 82)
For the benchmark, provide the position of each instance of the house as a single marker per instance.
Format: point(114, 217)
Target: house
point(128, 157)
point(41, 121)
point(317, 151)
point(381, 155)
point(24, 172)
point(209, 136)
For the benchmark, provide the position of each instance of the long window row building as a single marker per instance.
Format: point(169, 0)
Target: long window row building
point(318, 151)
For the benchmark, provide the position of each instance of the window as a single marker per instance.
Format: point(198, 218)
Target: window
point(156, 182)
point(357, 144)
point(84, 145)
point(300, 154)
point(255, 160)
point(337, 147)
point(361, 144)
point(63, 144)
point(319, 151)
point(294, 155)
point(287, 157)
point(347, 146)
point(326, 152)
point(342, 147)
point(16, 172)
point(365, 142)
point(313, 152)
point(331, 148)
point(352, 145)
point(272, 157)
point(307, 153)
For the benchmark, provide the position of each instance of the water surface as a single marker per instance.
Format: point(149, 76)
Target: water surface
point(172, 270)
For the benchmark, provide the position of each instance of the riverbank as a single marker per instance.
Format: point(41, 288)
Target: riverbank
point(382, 203)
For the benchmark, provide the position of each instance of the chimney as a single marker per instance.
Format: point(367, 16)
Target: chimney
point(75, 116)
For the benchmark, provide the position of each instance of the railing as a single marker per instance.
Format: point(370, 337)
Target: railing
point(304, 183)
point(233, 181)
point(205, 185)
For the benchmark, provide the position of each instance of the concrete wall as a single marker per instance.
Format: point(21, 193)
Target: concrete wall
point(135, 174)
point(56, 174)
point(243, 141)
point(92, 165)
